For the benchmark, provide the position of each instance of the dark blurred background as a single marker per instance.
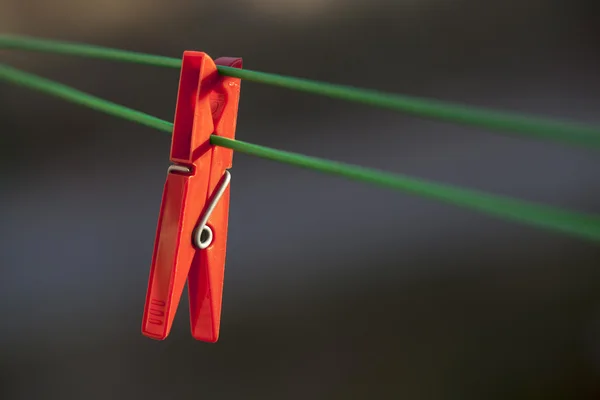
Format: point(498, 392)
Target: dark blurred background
point(333, 289)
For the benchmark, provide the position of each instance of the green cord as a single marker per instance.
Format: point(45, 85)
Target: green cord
point(577, 224)
point(573, 223)
point(18, 42)
point(566, 132)
point(68, 93)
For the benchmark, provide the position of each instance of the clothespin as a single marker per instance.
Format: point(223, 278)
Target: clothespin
point(191, 237)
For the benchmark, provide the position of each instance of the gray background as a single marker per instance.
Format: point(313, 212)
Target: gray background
point(334, 289)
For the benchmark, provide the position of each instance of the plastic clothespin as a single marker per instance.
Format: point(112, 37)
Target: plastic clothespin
point(191, 237)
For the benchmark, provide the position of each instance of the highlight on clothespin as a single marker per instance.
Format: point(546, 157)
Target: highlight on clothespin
point(191, 237)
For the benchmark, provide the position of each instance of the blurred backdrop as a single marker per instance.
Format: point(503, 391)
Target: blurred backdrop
point(333, 289)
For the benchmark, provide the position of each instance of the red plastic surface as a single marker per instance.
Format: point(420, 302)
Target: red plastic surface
point(207, 103)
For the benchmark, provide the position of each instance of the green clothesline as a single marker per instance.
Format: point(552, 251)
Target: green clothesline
point(572, 133)
point(565, 221)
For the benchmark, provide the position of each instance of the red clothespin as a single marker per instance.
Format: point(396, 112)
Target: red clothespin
point(191, 237)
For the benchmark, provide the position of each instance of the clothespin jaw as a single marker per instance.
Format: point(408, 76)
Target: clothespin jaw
point(191, 238)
